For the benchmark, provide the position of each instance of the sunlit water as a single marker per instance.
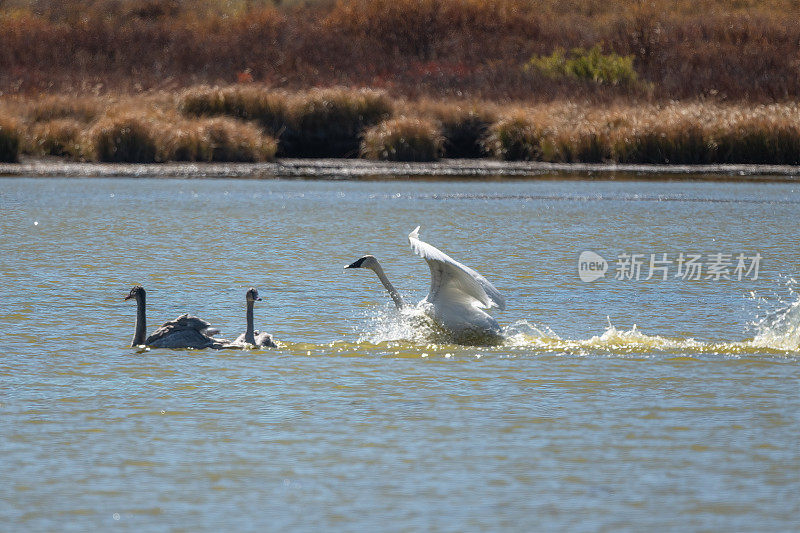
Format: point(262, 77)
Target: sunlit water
point(615, 404)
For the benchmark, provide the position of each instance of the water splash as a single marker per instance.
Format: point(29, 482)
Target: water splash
point(779, 329)
point(408, 324)
point(776, 331)
point(613, 340)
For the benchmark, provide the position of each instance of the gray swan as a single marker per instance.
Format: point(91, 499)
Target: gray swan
point(255, 338)
point(186, 331)
point(457, 297)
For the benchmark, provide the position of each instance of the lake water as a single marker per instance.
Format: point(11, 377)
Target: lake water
point(614, 404)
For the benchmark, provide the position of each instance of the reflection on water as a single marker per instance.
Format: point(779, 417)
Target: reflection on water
point(612, 404)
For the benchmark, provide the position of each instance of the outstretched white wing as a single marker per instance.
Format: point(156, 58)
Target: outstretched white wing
point(452, 280)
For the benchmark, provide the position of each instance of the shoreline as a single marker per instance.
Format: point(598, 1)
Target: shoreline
point(352, 169)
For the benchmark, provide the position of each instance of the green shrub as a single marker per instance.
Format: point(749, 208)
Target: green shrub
point(515, 138)
point(330, 122)
point(403, 139)
point(123, 140)
point(588, 65)
point(9, 141)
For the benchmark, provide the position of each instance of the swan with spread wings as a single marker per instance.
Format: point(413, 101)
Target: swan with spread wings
point(458, 298)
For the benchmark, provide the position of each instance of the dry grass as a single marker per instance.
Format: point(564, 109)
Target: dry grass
point(60, 137)
point(144, 129)
point(724, 49)
point(248, 102)
point(403, 139)
point(325, 122)
point(517, 137)
point(463, 124)
point(54, 107)
point(316, 123)
point(9, 140)
point(676, 133)
point(218, 139)
point(329, 122)
point(127, 139)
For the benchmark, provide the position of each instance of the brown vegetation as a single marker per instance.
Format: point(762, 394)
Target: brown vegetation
point(720, 49)
point(315, 123)
point(403, 139)
point(9, 140)
point(235, 124)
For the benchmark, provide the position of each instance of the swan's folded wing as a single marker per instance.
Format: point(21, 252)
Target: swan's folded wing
point(448, 276)
point(180, 338)
point(190, 326)
point(193, 322)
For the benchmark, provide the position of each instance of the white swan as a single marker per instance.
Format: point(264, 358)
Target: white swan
point(186, 331)
point(458, 294)
point(251, 337)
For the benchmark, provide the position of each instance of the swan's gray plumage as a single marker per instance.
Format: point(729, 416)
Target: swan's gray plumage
point(186, 331)
point(251, 336)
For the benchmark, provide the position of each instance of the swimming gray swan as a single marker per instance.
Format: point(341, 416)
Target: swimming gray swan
point(255, 338)
point(457, 297)
point(186, 331)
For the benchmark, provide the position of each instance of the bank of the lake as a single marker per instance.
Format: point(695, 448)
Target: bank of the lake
point(479, 169)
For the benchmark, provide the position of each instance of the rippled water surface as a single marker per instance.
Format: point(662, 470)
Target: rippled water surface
point(615, 404)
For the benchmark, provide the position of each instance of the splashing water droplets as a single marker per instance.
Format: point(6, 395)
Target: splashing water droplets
point(776, 331)
point(409, 324)
point(780, 329)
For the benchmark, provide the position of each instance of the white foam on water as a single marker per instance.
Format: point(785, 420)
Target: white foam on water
point(776, 332)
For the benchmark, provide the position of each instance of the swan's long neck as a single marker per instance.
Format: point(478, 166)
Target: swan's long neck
point(141, 322)
point(249, 336)
point(398, 300)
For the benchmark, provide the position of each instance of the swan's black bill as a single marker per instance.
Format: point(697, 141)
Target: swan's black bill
point(357, 264)
point(136, 291)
